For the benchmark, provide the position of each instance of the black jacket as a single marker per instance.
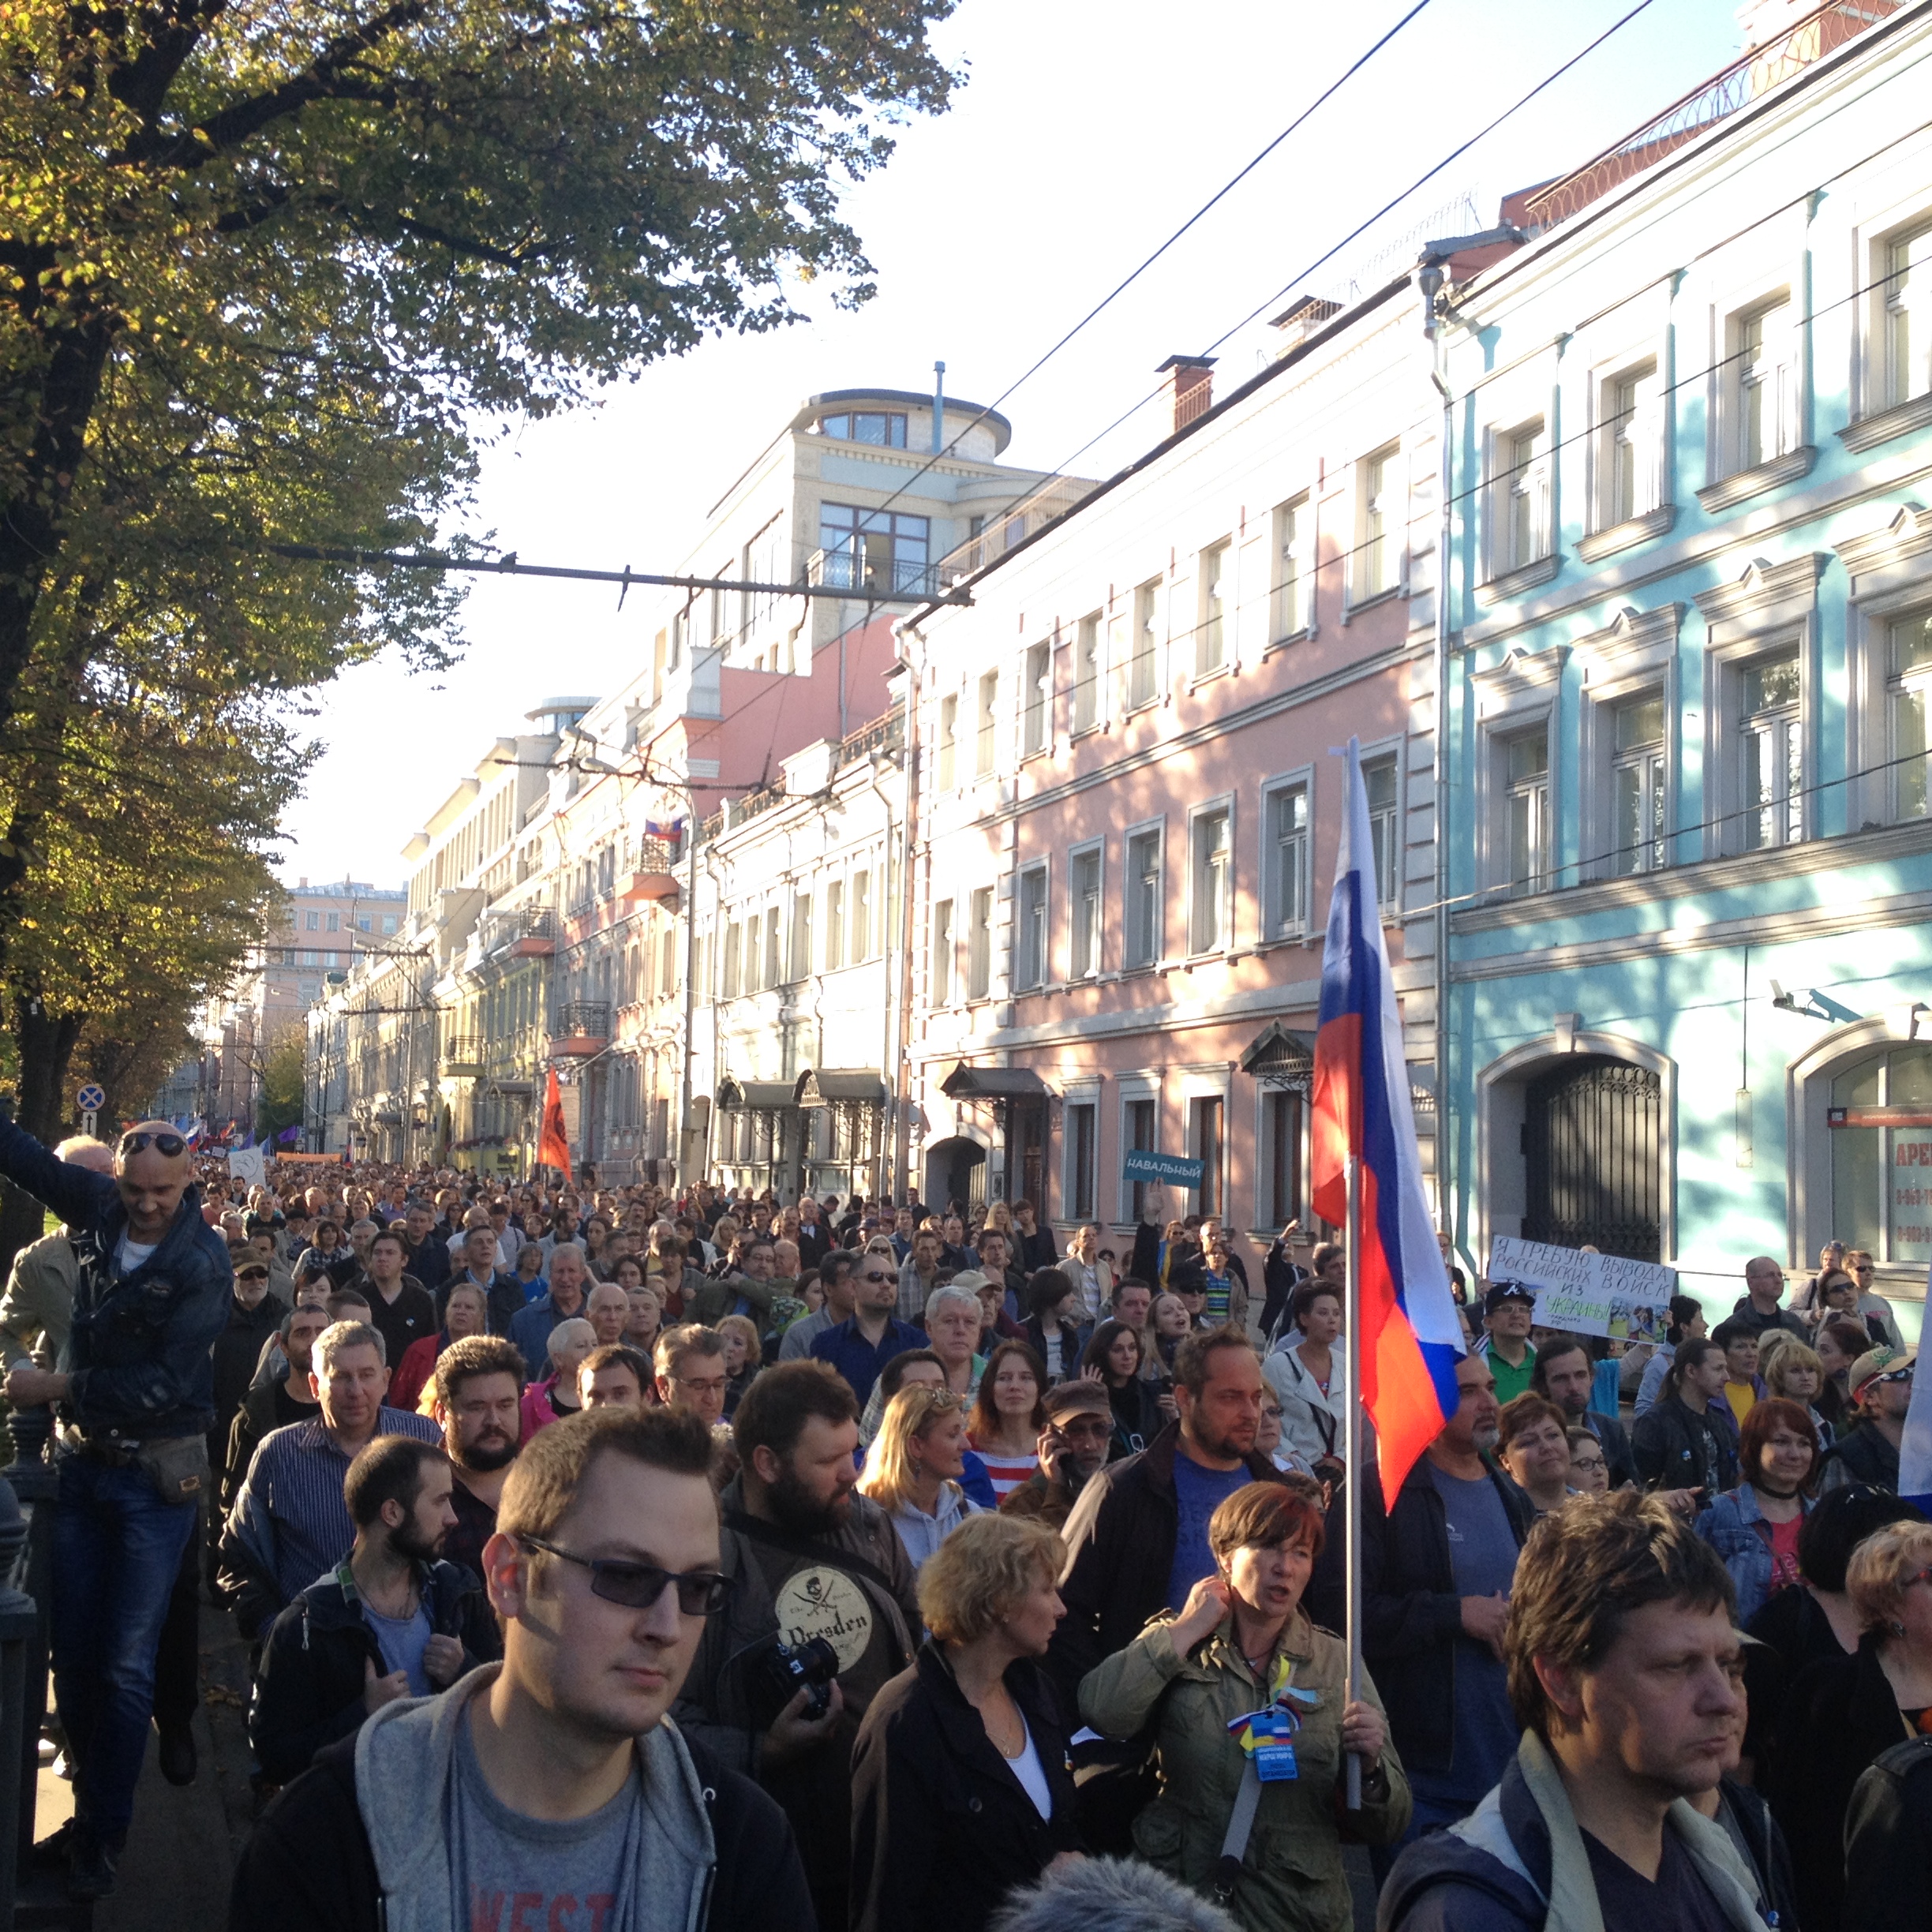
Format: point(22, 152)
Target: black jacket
point(1137, 1417)
point(1672, 1445)
point(307, 1866)
point(309, 1688)
point(1120, 1543)
point(238, 1348)
point(942, 1827)
point(1412, 1611)
point(1888, 1839)
point(1866, 1457)
point(1841, 1716)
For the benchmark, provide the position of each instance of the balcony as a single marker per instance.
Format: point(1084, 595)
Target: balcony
point(463, 1057)
point(1008, 528)
point(873, 575)
point(522, 932)
point(653, 877)
point(583, 1027)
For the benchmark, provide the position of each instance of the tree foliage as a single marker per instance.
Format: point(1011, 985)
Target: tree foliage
point(284, 1067)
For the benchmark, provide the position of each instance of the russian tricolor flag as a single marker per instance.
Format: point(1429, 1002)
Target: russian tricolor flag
point(1407, 1332)
point(1915, 1444)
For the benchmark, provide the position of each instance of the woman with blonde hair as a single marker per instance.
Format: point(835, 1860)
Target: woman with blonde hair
point(743, 1358)
point(1794, 1371)
point(961, 1786)
point(913, 1469)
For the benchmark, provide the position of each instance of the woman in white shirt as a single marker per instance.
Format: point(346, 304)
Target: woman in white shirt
point(1306, 1375)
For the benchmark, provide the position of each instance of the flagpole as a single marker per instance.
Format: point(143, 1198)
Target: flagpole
point(1351, 1483)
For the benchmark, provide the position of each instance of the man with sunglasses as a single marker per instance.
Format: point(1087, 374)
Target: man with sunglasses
point(861, 1345)
point(548, 1790)
point(1879, 1384)
point(135, 1392)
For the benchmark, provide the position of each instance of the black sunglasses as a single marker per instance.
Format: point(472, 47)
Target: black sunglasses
point(869, 1275)
point(169, 1143)
point(637, 1586)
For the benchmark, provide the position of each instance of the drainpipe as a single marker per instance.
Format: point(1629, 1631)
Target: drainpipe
point(938, 422)
point(686, 1180)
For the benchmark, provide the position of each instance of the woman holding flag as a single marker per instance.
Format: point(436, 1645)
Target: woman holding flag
point(1249, 1705)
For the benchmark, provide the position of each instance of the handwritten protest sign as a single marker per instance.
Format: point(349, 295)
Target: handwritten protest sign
point(1586, 1293)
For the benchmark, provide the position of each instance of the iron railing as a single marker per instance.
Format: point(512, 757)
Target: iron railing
point(583, 1020)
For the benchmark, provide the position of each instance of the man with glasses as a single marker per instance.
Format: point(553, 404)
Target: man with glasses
point(860, 1347)
point(1879, 1385)
point(549, 1787)
point(838, 1280)
point(134, 1389)
point(691, 1372)
point(1859, 1266)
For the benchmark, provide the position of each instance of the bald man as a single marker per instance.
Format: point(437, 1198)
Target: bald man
point(135, 1389)
point(38, 1307)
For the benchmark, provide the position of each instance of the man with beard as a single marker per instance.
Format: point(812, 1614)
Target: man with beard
point(392, 1621)
point(479, 1385)
point(810, 1558)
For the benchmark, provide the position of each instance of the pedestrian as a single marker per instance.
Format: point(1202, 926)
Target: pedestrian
point(1008, 1414)
point(1532, 1443)
point(951, 1321)
point(1172, 1324)
point(1091, 1277)
point(550, 1779)
point(392, 1620)
point(861, 1345)
point(1843, 1713)
point(1838, 1343)
point(1302, 1370)
point(961, 1788)
point(1879, 1384)
point(1755, 1527)
point(1509, 1311)
point(273, 1402)
point(503, 1293)
point(1565, 1373)
point(1052, 1327)
point(913, 1467)
point(613, 1377)
point(1686, 1323)
point(1281, 1275)
point(478, 1385)
point(556, 1395)
point(1743, 1388)
point(1137, 1543)
point(1678, 1444)
point(465, 1311)
point(838, 1290)
point(37, 1310)
point(742, 1360)
point(1623, 1664)
point(400, 1308)
point(1888, 1837)
point(1072, 1450)
point(1249, 1707)
point(1760, 1307)
point(1589, 1471)
point(692, 1372)
point(1795, 1374)
point(569, 1282)
point(1112, 1359)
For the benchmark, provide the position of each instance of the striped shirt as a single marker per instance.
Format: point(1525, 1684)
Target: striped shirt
point(1007, 1473)
point(297, 1478)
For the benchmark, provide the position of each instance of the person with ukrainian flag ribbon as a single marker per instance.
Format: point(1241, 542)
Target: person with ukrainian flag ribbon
point(1247, 1703)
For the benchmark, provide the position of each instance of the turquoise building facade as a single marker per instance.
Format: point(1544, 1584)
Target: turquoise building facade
point(1686, 852)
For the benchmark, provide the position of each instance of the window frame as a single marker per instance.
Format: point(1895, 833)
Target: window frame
point(1145, 642)
point(1200, 946)
point(945, 737)
point(1636, 654)
point(1079, 901)
point(1276, 929)
point(1213, 620)
point(1294, 602)
point(1879, 411)
point(1369, 505)
point(835, 959)
point(941, 975)
point(1036, 690)
point(1890, 570)
point(985, 724)
point(983, 900)
point(1031, 967)
point(1156, 830)
point(1132, 1091)
point(1518, 693)
point(1081, 1192)
point(1089, 698)
point(1531, 789)
point(1389, 895)
point(1773, 273)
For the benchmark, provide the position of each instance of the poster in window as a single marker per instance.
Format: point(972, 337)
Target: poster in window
point(1911, 1194)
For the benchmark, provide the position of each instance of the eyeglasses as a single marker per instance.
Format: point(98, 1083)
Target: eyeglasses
point(711, 1385)
point(871, 1275)
point(1588, 1463)
point(638, 1586)
point(169, 1143)
point(1891, 1375)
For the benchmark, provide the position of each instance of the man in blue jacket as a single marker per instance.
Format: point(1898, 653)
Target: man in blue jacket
point(134, 1389)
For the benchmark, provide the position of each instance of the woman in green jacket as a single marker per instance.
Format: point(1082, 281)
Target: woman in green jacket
point(1241, 1690)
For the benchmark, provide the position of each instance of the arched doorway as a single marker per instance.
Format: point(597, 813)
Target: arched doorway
point(1592, 1142)
point(956, 1170)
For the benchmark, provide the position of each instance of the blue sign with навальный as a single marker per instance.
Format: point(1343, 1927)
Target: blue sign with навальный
point(1142, 1165)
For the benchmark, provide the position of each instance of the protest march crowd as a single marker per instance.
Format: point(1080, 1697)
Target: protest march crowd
point(612, 1560)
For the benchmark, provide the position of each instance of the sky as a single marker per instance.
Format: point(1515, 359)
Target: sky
point(1085, 132)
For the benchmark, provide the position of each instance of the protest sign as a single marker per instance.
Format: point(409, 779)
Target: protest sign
point(1586, 1293)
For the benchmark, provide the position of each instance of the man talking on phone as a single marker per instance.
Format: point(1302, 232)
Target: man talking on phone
point(1072, 1447)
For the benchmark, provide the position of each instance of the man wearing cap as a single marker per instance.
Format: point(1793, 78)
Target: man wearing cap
point(1508, 1314)
point(1072, 1447)
point(1880, 1383)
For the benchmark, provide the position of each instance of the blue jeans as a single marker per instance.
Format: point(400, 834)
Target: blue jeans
point(116, 1549)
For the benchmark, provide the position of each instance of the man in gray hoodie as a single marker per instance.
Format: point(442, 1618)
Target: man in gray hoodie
point(557, 1777)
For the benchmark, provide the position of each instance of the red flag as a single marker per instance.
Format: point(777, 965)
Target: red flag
point(553, 1143)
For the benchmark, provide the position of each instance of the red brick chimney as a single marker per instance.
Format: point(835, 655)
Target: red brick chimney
point(1190, 388)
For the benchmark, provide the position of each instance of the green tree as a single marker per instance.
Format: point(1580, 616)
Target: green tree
point(283, 1066)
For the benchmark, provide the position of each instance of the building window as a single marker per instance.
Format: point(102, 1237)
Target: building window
point(313, 922)
point(388, 925)
point(1142, 667)
point(734, 940)
point(363, 922)
point(801, 935)
point(835, 925)
point(1522, 498)
point(1030, 931)
point(1141, 1132)
point(1038, 695)
point(942, 953)
point(1210, 638)
point(989, 708)
point(859, 938)
point(1210, 862)
point(667, 964)
point(1911, 680)
point(1378, 533)
point(1764, 389)
point(1631, 455)
point(886, 428)
point(979, 946)
point(1087, 675)
point(1294, 546)
point(1908, 317)
point(1281, 1127)
point(1082, 1119)
point(1526, 789)
point(1206, 1133)
point(877, 550)
point(1285, 819)
point(1143, 920)
point(1379, 780)
point(334, 922)
point(1769, 752)
point(771, 946)
point(947, 775)
point(1083, 905)
point(1638, 775)
point(312, 959)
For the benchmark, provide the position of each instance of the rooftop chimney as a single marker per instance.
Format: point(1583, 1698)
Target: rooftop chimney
point(1190, 388)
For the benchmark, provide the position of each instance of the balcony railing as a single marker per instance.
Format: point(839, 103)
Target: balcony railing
point(1009, 528)
point(886, 734)
point(526, 932)
point(583, 1027)
point(896, 580)
point(462, 1056)
point(1751, 74)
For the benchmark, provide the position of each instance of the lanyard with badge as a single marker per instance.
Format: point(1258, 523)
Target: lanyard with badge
point(1267, 1738)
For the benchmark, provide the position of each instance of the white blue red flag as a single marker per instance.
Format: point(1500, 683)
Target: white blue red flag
point(1915, 1444)
point(1408, 1334)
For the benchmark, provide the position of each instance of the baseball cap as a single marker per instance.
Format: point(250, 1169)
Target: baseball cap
point(1065, 1398)
point(1882, 1361)
point(972, 1280)
point(1507, 1291)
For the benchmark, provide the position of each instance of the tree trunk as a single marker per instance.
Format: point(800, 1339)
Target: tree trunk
point(45, 1042)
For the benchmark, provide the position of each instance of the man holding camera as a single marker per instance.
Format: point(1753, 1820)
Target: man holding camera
point(823, 1611)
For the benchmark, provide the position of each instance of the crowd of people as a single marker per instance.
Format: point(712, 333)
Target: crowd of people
point(609, 1558)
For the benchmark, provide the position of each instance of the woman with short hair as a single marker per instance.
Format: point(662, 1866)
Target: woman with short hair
point(1795, 1374)
point(961, 1786)
point(1240, 1690)
point(1754, 1527)
point(743, 1360)
point(1532, 1443)
point(913, 1468)
point(1590, 1468)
